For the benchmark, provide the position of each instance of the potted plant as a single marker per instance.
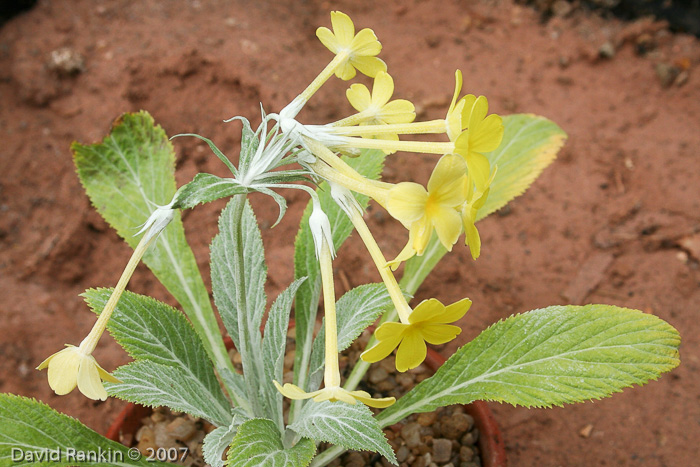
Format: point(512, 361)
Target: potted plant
point(545, 357)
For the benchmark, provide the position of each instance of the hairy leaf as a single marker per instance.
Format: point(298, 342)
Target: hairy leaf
point(151, 330)
point(32, 433)
point(550, 356)
point(258, 443)
point(349, 426)
point(126, 175)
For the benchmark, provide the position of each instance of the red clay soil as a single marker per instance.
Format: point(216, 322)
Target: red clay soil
point(614, 220)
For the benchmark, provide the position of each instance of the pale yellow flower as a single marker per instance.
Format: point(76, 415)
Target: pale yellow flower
point(361, 49)
point(427, 323)
point(483, 134)
point(475, 201)
point(421, 211)
point(334, 394)
point(73, 367)
point(376, 107)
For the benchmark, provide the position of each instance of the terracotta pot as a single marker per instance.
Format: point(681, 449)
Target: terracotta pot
point(491, 443)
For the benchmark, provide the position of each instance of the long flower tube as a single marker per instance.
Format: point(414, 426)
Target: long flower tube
point(332, 390)
point(352, 52)
point(75, 366)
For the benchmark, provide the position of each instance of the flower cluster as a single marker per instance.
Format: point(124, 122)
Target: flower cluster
point(447, 207)
point(457, 189)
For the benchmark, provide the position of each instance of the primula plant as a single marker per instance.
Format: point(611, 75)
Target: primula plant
point(545, 357)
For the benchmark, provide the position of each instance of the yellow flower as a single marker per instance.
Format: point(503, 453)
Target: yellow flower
point(73, 367)
point(361, 48)
point(454, 120)
point(427, 323)
point(334, 394)
point(483, 134)
point(422, 210)
point(475, 201)
point(376, 106)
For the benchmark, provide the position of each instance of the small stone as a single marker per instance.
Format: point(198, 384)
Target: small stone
point(181, 429)
point(442, 450)
point(470, 438)
point(667, 73)
point(586, 431)
point(66, 61)
point(405, 380)
point(402, 453)
point(411, 434)
point(427, 418)
point(456, 425)
point(466, 453)
point(561, 8)
point(355, 459)
point(607, 50)
point(377, 374)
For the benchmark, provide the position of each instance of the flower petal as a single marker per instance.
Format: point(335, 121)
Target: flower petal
point(345, 72)
point(458, 89)
point(405, 254)
point(454, 312)
point(383, 89)
point(437, 334)
point(359, 96)
point(63, 370)
point(89, 382)
point(381, 350)
point(448, 225)
point(426, 310)
point(412, 351)
point(479, 169)
point(328, 39)
point(343, 27)
point(379, 403)
point(487, 135)
point(369, 66)
point(292, 391)
point(478, 111)
point(407, 202)
point(398, 111)
point(446, 180)
point(365, 44)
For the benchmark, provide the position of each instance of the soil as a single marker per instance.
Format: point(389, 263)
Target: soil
point(613, 220)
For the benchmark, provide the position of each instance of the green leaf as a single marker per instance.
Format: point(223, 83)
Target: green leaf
point(126, 175)
point(355, 311)
point(205, 188)
point(224, 276)
point(258, 443)
point(30, 432)
point(274, 345)
point(530, 144)
point(370, 164)
point(550, 356)
point(154, 384)
point(216, 442)
point(349, 426)
point(151, 330)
